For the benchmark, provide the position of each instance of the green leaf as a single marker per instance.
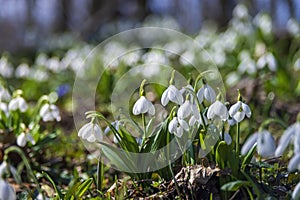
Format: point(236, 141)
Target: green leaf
point(248, 157)
point(83, 187)
point(235, 185)
point(58, 192)
point(118, 157)
point(221, 154)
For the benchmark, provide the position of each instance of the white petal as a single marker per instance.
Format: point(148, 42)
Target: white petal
point(13, 104)
point(183, 124)
point(151, 109)
point(44, 109)
point(179, 132)
point(195, 111)
point(234, 108)
point(22, 104)
point(227, 138)
point(97, 132)
point(297, 143)
point(3, 168)
point(210, 112)
point(83, 129)
point(7, 192)
point(184, 110)
point(246, 109)
point(284, 140)
point(200, 94)
point(296, 192)
point(209, 94)
point(30, 138)
point(221, 110)
point(173, 125)
point(239, 116)
point(265, 144)
point(139, 106)
point(294, 163)
point(21, 140)
point(175, 95)
point(91, 138)
point(165, 98)
point(249, 143)
point(192, 121)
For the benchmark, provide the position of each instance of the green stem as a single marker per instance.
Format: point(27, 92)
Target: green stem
point(99, 174)
point(237, 140)
point(270, 121)
point(26, 163)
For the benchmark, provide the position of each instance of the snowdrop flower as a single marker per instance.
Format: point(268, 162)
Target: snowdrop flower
point(267, 59)
point(23, 138)
point(7, 192)
point(217, 110)
point(296, 193)
point(18, 103)
point(50, 113)
point(3, 107)
point(22, 71)
point(177, 126)
point(91, 132)
point(171, 94)
point(294, 163)
point(265, 144)
point(187, 109)
point(206, 92)
point(142, 106)
point(288, 136)
point(239, 110)
point(4, 94)
point(194, 121)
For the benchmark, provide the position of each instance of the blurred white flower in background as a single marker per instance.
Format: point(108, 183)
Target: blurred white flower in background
point(291, 134)
point(18, 103)
point(91, 132)
point(7, 192)
point(269, 60)
point(263, 22)
point(264, 141)
point(240, 11)
point(23, 138)
point(293, 27)
point(22, 71)
point(6, 69)
point(4, 108)
point(50, 112)
point(4, 94)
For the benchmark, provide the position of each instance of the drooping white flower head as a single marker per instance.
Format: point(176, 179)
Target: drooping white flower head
point(292, 132)
point(18, 103)
point(296, 192)
point(217, 110)
point(194, 121)
point(177, 126)
point(91, 132)
point(239, 110)
point(294, 163)
point(50, 113)
point(23, 138)
point(188, 109)
point(171, 94)
point(206, 92)
point(265, 144)
point(7, 192)
point(142, 106)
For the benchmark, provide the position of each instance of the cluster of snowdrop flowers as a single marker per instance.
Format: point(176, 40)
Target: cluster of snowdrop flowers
point(291, 135)
point(14, 110)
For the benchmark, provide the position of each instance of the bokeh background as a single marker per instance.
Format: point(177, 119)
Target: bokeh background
point(28, 25)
